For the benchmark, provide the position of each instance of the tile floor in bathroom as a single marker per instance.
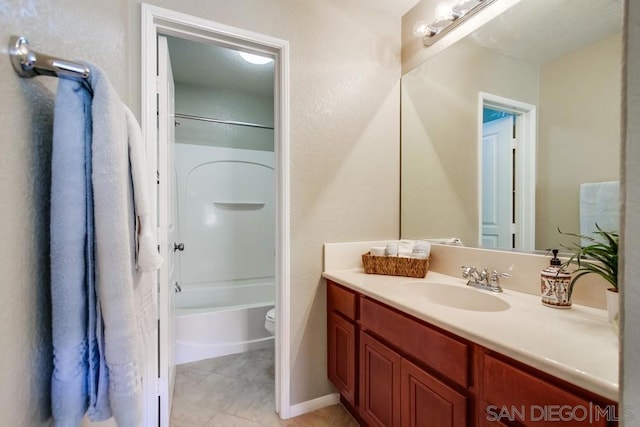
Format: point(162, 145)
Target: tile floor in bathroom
point(238, 391)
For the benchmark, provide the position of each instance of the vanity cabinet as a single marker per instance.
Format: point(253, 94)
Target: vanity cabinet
point(395, 370)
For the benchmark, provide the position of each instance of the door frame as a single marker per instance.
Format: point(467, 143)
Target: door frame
point(525, 166)
point(157, 20)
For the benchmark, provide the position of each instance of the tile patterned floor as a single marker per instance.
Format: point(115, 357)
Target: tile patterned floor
point(238, 391)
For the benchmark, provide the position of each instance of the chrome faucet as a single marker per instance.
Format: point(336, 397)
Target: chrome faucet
point(482, 279)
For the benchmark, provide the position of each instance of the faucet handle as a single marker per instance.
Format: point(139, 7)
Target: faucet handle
point(467, 270)
point(495, 280)
point(496, 275)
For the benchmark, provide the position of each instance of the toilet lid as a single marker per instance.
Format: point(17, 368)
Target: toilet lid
point(271, 314)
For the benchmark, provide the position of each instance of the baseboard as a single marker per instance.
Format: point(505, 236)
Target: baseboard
point(314, 404)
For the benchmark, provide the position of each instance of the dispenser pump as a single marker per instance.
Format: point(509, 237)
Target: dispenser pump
point(555, 284)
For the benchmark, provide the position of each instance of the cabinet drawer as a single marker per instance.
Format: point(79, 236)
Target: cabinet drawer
point(341, 300)
point(528, 399)
point(437, 350)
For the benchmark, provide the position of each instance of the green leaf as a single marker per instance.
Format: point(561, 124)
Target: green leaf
point(599, 257)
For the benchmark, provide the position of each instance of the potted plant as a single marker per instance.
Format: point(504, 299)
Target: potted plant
point(599, 257)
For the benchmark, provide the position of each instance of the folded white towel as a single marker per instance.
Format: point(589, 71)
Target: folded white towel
point(392, 249)
point(405, 247)
point(378, 251)
point(421, 249)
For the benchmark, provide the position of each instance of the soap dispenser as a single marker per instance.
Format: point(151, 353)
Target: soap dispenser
point(555, 282)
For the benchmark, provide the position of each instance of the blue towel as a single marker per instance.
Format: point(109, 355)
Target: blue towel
point(98, 375)
point(80, 378)
point(68, 245)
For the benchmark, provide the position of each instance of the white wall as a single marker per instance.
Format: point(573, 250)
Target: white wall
point(578, 134)
point(224, 105)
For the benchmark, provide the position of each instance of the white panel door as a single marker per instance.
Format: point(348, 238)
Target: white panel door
point(169, 239)
point(497, 183)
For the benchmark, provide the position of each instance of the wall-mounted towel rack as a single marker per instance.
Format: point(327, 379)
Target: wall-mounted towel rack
point(29, 63)
point(226, 122)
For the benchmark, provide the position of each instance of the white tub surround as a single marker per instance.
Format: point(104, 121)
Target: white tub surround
point(226, 221)
point(577, 345)
point(214, 320)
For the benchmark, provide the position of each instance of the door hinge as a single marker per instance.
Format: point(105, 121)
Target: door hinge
point(514, 143)
point(158, 85)
point(158, 177)
point(158, 383)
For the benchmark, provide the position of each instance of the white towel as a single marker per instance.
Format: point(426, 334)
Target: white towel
point(119, 283)
point(405, 248)
point(421, 249)
point(599, 204)
point(147, 258)
point(452, 241)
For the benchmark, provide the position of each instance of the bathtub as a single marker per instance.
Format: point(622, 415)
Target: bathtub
point(217, 319)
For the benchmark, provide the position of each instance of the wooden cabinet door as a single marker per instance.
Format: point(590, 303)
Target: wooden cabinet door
point(523, 398)
point(428, 402)
point(379, 383)
point(342, 355)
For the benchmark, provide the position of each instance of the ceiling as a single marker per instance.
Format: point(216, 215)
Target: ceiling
point(214, 66)
point(541, 30)
point(210, 65)
point(396, 8)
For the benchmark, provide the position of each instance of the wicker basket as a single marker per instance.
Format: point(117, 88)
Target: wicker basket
point(395, 266)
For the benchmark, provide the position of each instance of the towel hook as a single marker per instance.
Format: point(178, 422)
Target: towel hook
point(29, 63)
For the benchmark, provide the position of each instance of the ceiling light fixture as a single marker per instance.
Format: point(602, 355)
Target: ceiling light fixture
point(447, 18)
point(255, 59)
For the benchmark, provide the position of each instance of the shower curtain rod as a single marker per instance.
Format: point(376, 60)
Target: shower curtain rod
point(226, 122)
point(29, 63)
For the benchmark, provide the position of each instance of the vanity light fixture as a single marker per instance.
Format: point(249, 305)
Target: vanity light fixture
point(447, 18)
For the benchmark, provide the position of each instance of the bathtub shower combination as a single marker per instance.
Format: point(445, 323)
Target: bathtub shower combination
point(226, 219)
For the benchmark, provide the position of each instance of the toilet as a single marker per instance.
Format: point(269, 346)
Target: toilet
point(270, 321)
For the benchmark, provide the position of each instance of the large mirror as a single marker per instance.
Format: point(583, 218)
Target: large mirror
point(546, 75)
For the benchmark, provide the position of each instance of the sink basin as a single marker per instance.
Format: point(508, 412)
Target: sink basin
point(462, 298)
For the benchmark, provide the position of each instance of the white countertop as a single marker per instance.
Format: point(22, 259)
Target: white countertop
point(577, 345)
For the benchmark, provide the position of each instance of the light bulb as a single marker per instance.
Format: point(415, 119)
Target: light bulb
point(255, 59)
point(464, 6)
point(444, 12)
point(420, 28)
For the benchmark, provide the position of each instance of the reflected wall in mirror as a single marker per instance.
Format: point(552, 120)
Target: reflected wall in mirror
point(561, 56)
